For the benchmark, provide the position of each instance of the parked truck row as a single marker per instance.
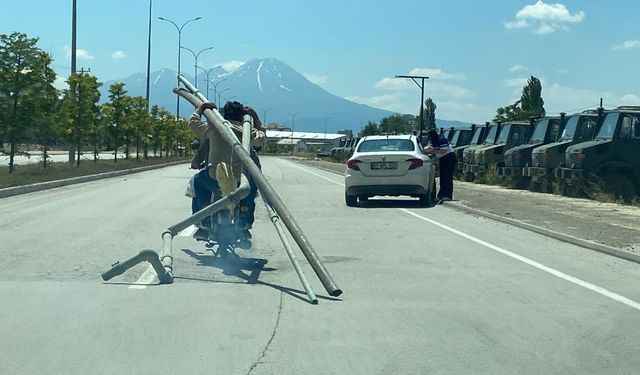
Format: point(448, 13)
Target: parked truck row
point(592, 151)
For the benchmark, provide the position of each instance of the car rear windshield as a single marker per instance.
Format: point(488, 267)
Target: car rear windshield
point(388, 144)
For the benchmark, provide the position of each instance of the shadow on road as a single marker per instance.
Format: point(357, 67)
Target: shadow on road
point(391, 203)
point(234, 265)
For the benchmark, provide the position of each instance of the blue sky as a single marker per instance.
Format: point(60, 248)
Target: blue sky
point(477, 53)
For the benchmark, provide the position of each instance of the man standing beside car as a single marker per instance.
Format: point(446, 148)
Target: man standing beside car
point(440, 147)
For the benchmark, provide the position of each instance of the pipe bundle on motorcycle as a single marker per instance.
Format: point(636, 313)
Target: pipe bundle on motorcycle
point(278, 212)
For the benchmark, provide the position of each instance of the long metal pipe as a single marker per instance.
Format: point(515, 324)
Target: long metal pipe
point(215, 119)
point(164, 275)
point(292, 256)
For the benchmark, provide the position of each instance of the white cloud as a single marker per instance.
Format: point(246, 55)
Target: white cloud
point(518, 82)
point(118, 55)
point(81, 54)
point(316, 78)
point(232, 65)
point(446, 91)
point(437, 74)
point(628, 44)
point(60, 83)
point(544, 18)
point(392, 102)
point(517, 68)
point(394, 84)
point(560, 98)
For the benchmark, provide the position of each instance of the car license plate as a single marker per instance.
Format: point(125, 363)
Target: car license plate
point(384, 165)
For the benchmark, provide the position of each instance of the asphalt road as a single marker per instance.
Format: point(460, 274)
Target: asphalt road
point(426, 290)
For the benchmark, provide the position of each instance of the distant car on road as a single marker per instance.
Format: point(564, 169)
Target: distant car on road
point(389, 165)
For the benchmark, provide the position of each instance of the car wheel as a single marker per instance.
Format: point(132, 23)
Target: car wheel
point(351, 200)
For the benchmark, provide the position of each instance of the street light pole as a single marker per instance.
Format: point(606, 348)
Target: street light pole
point(179, 29)
point(207, 73)
point(215, 89)
point(264, 115)
point(220, 94)
point(149, 56)
point(293, 121)
point(421, 86)
point(73, 37)
point(195, 57)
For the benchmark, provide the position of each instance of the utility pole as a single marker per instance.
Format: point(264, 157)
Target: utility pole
point(73, 37)
point(421, 86)
point(264, 115)
point(79, 108)
point(149, 56)
point(293, 121)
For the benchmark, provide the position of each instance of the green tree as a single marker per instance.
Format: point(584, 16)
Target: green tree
point(80, 107)
point(138, 123)
point(398, 124)
point(119, 109)
point(429, 114)
point(24, 70)
point(529, 105)
point(46, 110)
point(370, 129)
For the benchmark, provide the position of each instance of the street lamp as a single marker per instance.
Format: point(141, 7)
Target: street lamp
point(179, 29)
point(195, 56)
point(148, 56)
point(207, 72)
point(293, 121)
point(215, 88)
point(264, 115)
point(220, 94)
point(421, 85)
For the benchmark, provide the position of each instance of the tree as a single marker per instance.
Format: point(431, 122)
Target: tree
point(80, 106)
point(138, 122)
point(46, 111)
point(370, 129)
point(530, 104)
point(119, 109)
point(24, 70)
point(430, 114)
point(398, 124)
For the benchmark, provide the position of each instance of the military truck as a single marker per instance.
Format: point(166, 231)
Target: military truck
point(335, 152)
point(468, 156)
point(546, 159)
point(477, 136)
point(545, 130)
point(510, 135)
point(611, 161)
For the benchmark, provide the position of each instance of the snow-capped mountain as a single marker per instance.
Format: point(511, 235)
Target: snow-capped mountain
point(272, 88)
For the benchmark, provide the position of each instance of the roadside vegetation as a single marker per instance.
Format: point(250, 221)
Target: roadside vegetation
point(36, 115)
point(34, 173)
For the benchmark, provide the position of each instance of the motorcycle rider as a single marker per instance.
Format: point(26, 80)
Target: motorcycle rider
point(205, 182)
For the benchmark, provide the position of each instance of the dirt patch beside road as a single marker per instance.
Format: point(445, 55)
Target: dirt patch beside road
point(606, 223)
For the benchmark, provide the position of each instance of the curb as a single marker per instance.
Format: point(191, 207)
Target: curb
point(609, 250)
point(25, 189)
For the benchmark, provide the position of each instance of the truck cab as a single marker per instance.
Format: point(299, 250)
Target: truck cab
point(510, 135)
point(545, 130)
point(490, 137)
point(547, 158)
point(612, 159)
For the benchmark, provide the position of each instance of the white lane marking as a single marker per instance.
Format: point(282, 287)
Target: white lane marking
point(574, 280)
point(148, 277)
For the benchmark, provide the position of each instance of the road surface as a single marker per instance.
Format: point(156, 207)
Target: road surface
point(426, 290)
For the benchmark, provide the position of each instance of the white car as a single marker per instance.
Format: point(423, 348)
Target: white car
point(389, 165)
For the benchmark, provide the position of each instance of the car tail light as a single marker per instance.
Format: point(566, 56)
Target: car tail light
point(353, 164)
point(415, 163)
